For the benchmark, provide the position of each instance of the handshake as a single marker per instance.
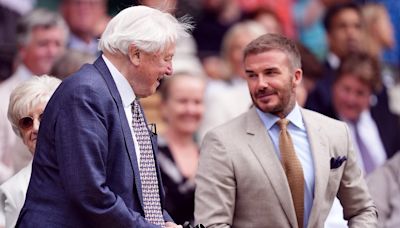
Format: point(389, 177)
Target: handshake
point(187, 225)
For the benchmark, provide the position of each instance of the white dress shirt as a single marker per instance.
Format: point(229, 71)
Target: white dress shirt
point(127, 96)
point(298, 133)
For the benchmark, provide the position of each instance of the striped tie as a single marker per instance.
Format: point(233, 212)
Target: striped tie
point(148, 173)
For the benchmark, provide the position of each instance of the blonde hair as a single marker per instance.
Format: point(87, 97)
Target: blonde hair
point(371, 12)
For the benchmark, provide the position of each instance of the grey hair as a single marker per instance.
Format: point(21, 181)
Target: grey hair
point(39, 18)
point(29, 94)
point(149, 29)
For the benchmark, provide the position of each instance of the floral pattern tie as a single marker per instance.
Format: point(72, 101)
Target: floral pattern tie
point(147, 167)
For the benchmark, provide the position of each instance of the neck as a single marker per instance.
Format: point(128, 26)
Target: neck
point(120, 61)
point(287, 109)
point(180, 138)
point(85, 37)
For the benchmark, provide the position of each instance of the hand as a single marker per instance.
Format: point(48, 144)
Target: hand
point(172, 225)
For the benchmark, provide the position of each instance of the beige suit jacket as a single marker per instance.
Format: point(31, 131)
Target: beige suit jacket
point(241, 183)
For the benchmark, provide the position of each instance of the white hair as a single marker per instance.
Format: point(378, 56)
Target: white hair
point(149, 29)
point(28, 95)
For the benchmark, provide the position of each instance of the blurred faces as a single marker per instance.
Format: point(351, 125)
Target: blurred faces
point(272, 81)
point(82, 16)
point(350, 97)
point(235, 52)
point(345, 33)
point(29, 126)
point(183, 108)
point(44, 48)
point(150, 69)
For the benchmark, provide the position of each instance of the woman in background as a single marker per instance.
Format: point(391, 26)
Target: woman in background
point(27, 103)
point(182, 109)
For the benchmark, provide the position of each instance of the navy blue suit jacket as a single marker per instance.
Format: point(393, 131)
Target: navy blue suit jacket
point(85, 171)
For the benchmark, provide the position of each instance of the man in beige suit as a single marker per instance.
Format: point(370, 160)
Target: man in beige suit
point(246, 177)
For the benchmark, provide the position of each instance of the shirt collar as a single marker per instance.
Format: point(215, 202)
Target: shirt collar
point(23, 72)
point(294, 117)
point(124, 88)
point(333, 60)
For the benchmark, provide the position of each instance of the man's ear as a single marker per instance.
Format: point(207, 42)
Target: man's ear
point(298, 76)
point(134, 54)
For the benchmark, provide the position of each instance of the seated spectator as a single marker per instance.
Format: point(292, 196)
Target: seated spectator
point(27, 103)
point(229, 97)
point(353, 89)
point(41, 36)
point(375, 132)
point(343, 25)
point(182, 109)
point(86, 20)
point(384, 186)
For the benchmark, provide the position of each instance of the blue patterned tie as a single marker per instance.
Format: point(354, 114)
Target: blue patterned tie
point(148, 173)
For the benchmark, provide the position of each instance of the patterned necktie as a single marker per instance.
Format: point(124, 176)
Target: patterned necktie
point(368, 162)
point(148, 174)
point(294, 172)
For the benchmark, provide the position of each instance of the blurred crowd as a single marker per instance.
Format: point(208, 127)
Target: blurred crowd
point(350, 59)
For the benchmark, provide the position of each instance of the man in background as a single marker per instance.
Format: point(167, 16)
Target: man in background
point(41, 37)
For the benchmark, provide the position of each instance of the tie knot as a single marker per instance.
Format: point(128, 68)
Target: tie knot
point(135, 105)
point(282, 123)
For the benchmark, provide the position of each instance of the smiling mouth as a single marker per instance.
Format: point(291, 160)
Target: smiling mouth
point(264, 95)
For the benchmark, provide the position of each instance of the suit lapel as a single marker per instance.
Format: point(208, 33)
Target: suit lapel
point(130, 148)
point(263, 148)
point(320, 151)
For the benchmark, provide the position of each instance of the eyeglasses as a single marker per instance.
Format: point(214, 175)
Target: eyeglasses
point(26, 122)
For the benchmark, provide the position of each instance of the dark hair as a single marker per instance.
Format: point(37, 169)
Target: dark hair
point(268, 42)
point(311, 66)
point(363, 67)
point(336, 9)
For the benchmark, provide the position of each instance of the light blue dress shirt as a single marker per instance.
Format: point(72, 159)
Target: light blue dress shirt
point(298, 133)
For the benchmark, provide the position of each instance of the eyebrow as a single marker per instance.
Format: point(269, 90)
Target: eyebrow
point(263, 70)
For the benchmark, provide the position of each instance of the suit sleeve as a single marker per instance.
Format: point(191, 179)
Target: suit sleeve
point(81, 138)
point(215, 185)
point(358, 207)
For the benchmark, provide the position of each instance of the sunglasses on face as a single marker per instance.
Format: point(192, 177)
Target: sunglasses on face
point(26, 123)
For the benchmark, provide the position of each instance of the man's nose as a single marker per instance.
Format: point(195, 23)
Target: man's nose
point(169, 70)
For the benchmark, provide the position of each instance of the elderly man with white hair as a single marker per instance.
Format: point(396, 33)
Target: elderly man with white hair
point(95, 162)
point(27, 102)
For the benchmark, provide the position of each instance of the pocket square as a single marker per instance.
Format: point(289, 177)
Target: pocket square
point(337, 162)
